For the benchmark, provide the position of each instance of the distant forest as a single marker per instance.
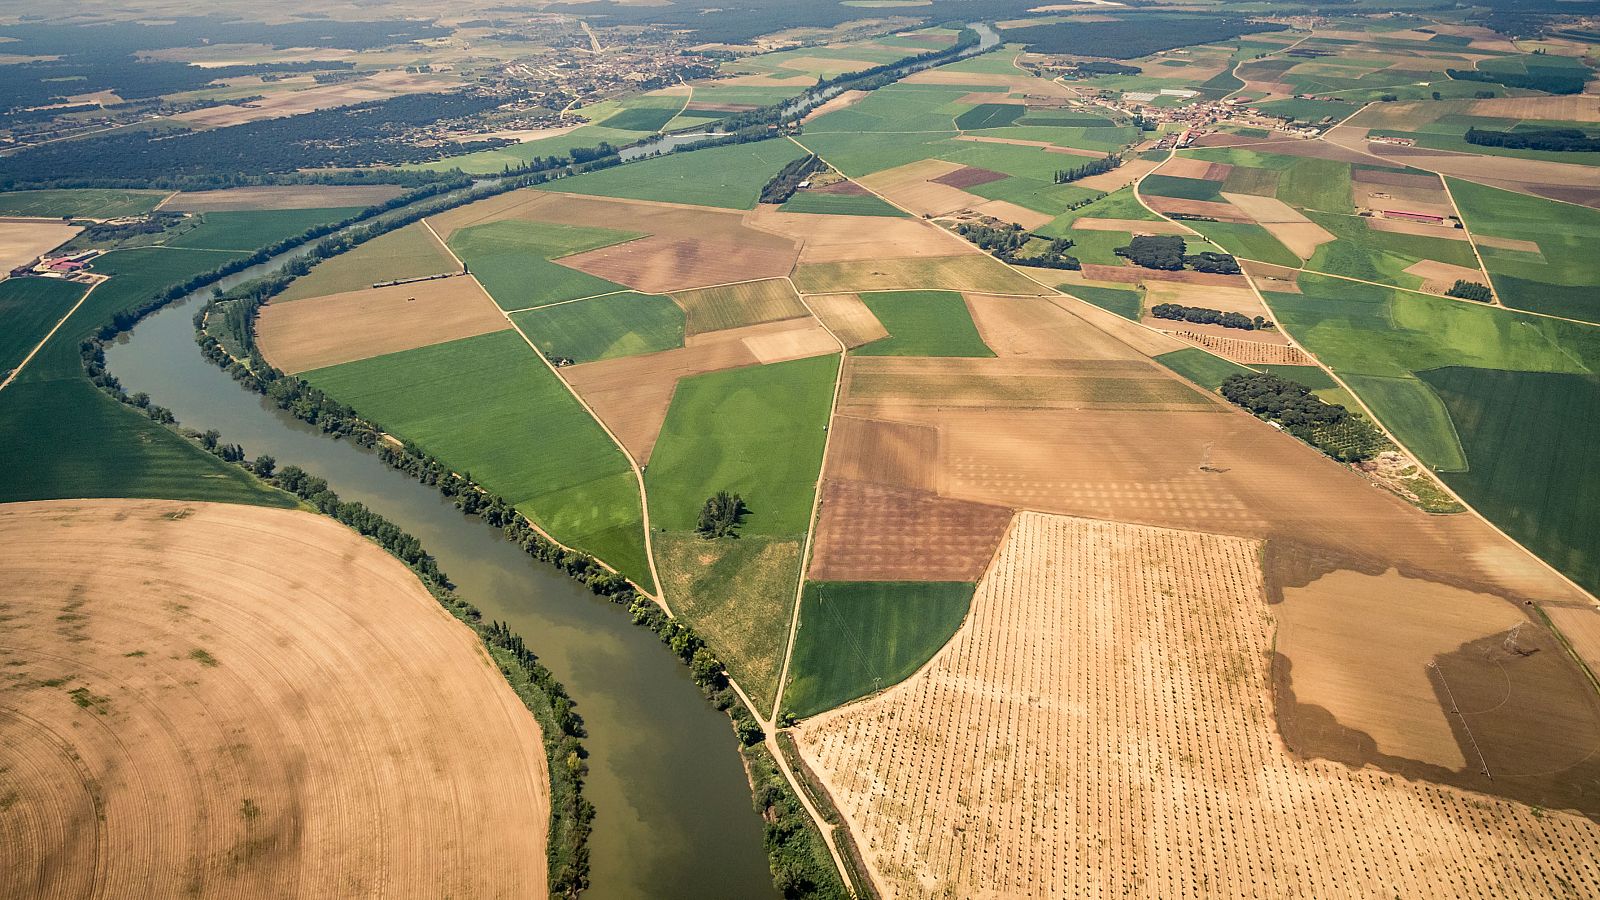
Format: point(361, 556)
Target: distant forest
point(1133, 35)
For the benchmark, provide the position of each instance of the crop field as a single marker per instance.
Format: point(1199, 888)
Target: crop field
point(283, 197)
point(736, 305)
point(149, 740)
point(341, 328)
point(409, 252)
point(1529, 437)
point(989, 739)
point(604, 327)
point(1248, 240)
point(838, 204)
point(726, 177)
point(968, 272)
point(1205, 369)
point(515, 260)
point(29, 308)
point(559, 142)
point(880, 532)
point(827, 238)
point(756, 432)
point(91, 203)
point(923, 323)
point(885, 384)
point(248, 229)
point(23, 242)
point(1126, 303)
point(631, 394)
point(848, 318)
point(857, 637)
point(1568, 182)
point(1560, 279)
point(1057, 329)
point(1245, 352)
point(488, 406)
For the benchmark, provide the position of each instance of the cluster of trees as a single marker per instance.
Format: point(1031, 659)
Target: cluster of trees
point(1095, 167)
point(1470, 290)
point(998, 239)
point(801, 864)
point(1133, 35)
point(1093, 68)
point(1168, 252)
point(1557, 139)
point(1327, 426)
point(1550, 81)
point(787, 181)
point(720, 516)
point(1008, 241)
point(1202, 316)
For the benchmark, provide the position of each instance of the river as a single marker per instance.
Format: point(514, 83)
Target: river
point(673, 810)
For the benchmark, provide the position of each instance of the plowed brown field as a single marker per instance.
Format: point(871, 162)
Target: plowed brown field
point(861, 536)
point(825, 238)
point(1101, 727)
point(227, 701)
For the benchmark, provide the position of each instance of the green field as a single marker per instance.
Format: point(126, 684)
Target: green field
point(1360, 252)
point(839, 204)
point(1313, 377)
point(923, 323)
point(1127, 303)
point(727, 177)
point(29, 308)
point(1561, 278)
point(486, 405)
point(1530, 437)
point(250, 229)
point(859, 637)
point(1201, 367)
point(1249, 241)
point(93, 203)
point(604, 327)
point(989, 115)
point(409, 252)
point(1181, 188)
point(1119, 204)
point(757, 432)
point(514, 156)
point(1309, 110)
point(512, 259)
point(737, 305)
point(1413, 412)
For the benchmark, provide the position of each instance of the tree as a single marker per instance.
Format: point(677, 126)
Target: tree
point(264, 465)
point(720, 515)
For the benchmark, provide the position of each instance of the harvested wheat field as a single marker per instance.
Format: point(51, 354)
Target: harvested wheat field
point(1127, 173)
point(966, 272)
point(1422, 229)
point(1101, 726)
point(872, 532)
point(901, 386)
point(340, 328)
point(1209, 209)
point(1190, 167)
point(839, 101)
point(848, 318)
point(1569, 108)
point(1141, 275)
point(1039, 328)
point(916, 187)
point(904, 454)
point(23, 242)
point(688, 246)
point(737, 305)
point(826, 238)
point(1247, 352)
point(1438, 277)
point(294, 196)
point(631, 394)
point(1136, 226)
point(227, 701)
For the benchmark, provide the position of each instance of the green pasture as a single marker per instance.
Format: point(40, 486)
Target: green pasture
point(857, 637)
point(408, 252)
point(1247, 240)
point(1119, 204)
point(513, 260)
point(923, 323)
point(1127, 303)
point(1181, 188)
point(486, 405)
point(247, 230)
point(728, 177)
point(29, 308)
point(839, 204)
point(92, 203)
point(1561, 278)
point(604, 327)
point(1201, 367)
point(515, 156)
point(989, 115)
point(1361, 252)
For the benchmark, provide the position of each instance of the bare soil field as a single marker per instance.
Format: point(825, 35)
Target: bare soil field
point(1211, 209)
point(900, 386)
point(1127, 173)
point(737, 305)
point(903, 454)
point(1141, 275)
point(1421, 229)
point(1561, 181)
point(870, 532)
point(1189, 167)
point(23, 242)
point(1025, 327)
point(967, 272)
point(309, 196)
point(381, 86)
point(631, 393)
point(920, 188)
point(1438, 277)
point(1268, 277)
point(229, 701)
point(339, 328)
point(848, 318)
point(841, 101)
point(1396, 179)
point(825, 238)
point(1236, 298)
point(1108, 700)
point(1246, 352)
point(688, 246)
point(969, 176)
point(1570, 108)
point(1504, 243)
point(1135, 226)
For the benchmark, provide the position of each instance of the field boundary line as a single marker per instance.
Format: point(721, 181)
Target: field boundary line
point(46, 339)
point(573, 300)
point(1471, 241)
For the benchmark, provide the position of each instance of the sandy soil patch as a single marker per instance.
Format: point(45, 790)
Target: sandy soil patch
point(1122, 175)
point(1245, 351)
point(796, 343)
point(1402, 226)
point(1190, 167)
point(848, 318)
point(1046, 146)
point(380, 86)
point(870, 532)
point(1106, 700)
point(1438, 277)
point(841, 101)
point(631, 394)
point(339, 328)
point(1141, 275)
point(307, 196)
point(1039, 328)
point(825, 238)
point(23, 242)
point(737, 305)
point(218, 700)
point(1136, 226)
point(1174, 206)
